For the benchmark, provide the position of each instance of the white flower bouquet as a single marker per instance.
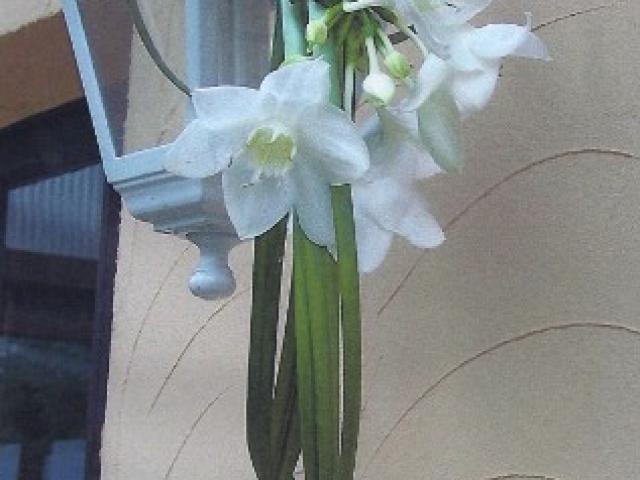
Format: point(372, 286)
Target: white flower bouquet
point(292, 158)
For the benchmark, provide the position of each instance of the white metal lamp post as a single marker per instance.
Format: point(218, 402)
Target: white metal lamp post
point(136, 57)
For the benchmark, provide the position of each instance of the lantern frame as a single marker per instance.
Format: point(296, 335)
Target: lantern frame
point(189, 208)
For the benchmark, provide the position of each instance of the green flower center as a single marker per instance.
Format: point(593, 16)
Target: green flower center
point(271, 148)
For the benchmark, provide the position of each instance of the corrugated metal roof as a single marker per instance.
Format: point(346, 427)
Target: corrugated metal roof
point(58, 216)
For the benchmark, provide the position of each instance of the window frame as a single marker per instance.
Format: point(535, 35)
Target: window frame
point(66, 132)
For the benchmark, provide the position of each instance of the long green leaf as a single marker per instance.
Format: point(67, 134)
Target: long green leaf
point(351, 327)
point(320, 298)
point(349, 291)
point(285, 419)
point(267, 273)
point(304, 364)
point(348, 296)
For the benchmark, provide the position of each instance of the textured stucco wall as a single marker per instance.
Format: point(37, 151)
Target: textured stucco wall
point(18, 13)
point(513, 351)
point(37, 68)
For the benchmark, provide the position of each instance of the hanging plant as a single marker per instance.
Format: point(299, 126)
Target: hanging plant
point(291, 154)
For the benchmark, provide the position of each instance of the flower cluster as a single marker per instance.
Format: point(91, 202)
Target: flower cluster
point(280, 148)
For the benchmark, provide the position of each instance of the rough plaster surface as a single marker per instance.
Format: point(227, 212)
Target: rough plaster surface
point(18, 13)
point(37, 68)
point(511, 352)
point(150, 123)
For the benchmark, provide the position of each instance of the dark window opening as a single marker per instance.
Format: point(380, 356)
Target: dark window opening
point(57, 260)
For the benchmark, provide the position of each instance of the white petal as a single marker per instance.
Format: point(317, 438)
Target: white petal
point(439, 124)
point(313, 206)
point(399, 149)
point(467, 9)
point(399, 208)
point(473, 90)
point(329, 140)
point(370, 127)
point(532, 47)
point(432, 74)
point(255, 207)
point(499, 40)
point(417, 224)
point(388, 206)
point(463, 56)
point(429, 27)
point(397, 123)
point(230, 107)
point(301, 82)
point(373, 242)
point(424, 165)
point(414, 162)
point(200, 152)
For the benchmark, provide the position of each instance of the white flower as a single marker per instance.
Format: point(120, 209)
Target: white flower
point(386, 200)
point(472, 64)
point(468, 59)
point(279, 149)
point(431, 18)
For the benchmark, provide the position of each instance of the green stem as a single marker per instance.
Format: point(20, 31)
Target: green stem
point(329, 53)
point(325, 315)
point(326, 299)
point(277, 46)
point(316, 370)
point(349, 87)
point(343, 29)
point(347, 269)
point(349, 285)
point(293, 22)
point(333, 14)
point(387, 46)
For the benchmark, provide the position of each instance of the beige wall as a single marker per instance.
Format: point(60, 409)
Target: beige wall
point(513, 351)
point(37, 68)
point(18, 13)
point(150, 123)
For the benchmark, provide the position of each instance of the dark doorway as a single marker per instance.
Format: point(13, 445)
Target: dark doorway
point(57, 260)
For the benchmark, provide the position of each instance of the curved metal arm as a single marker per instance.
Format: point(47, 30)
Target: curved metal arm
point(156, 56)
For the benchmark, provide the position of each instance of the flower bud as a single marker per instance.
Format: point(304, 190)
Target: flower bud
point(398, 65)
point(317, 32)
point(379, 88)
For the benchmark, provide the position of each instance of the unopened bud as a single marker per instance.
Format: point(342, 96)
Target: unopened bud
point(317, 32)
point(398, 65)
point(379, 88)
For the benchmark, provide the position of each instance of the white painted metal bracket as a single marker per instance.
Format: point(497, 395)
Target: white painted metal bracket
point(191, 208)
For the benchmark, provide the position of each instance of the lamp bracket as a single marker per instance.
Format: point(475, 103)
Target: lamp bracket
point(190, 208)
point(186, 207)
